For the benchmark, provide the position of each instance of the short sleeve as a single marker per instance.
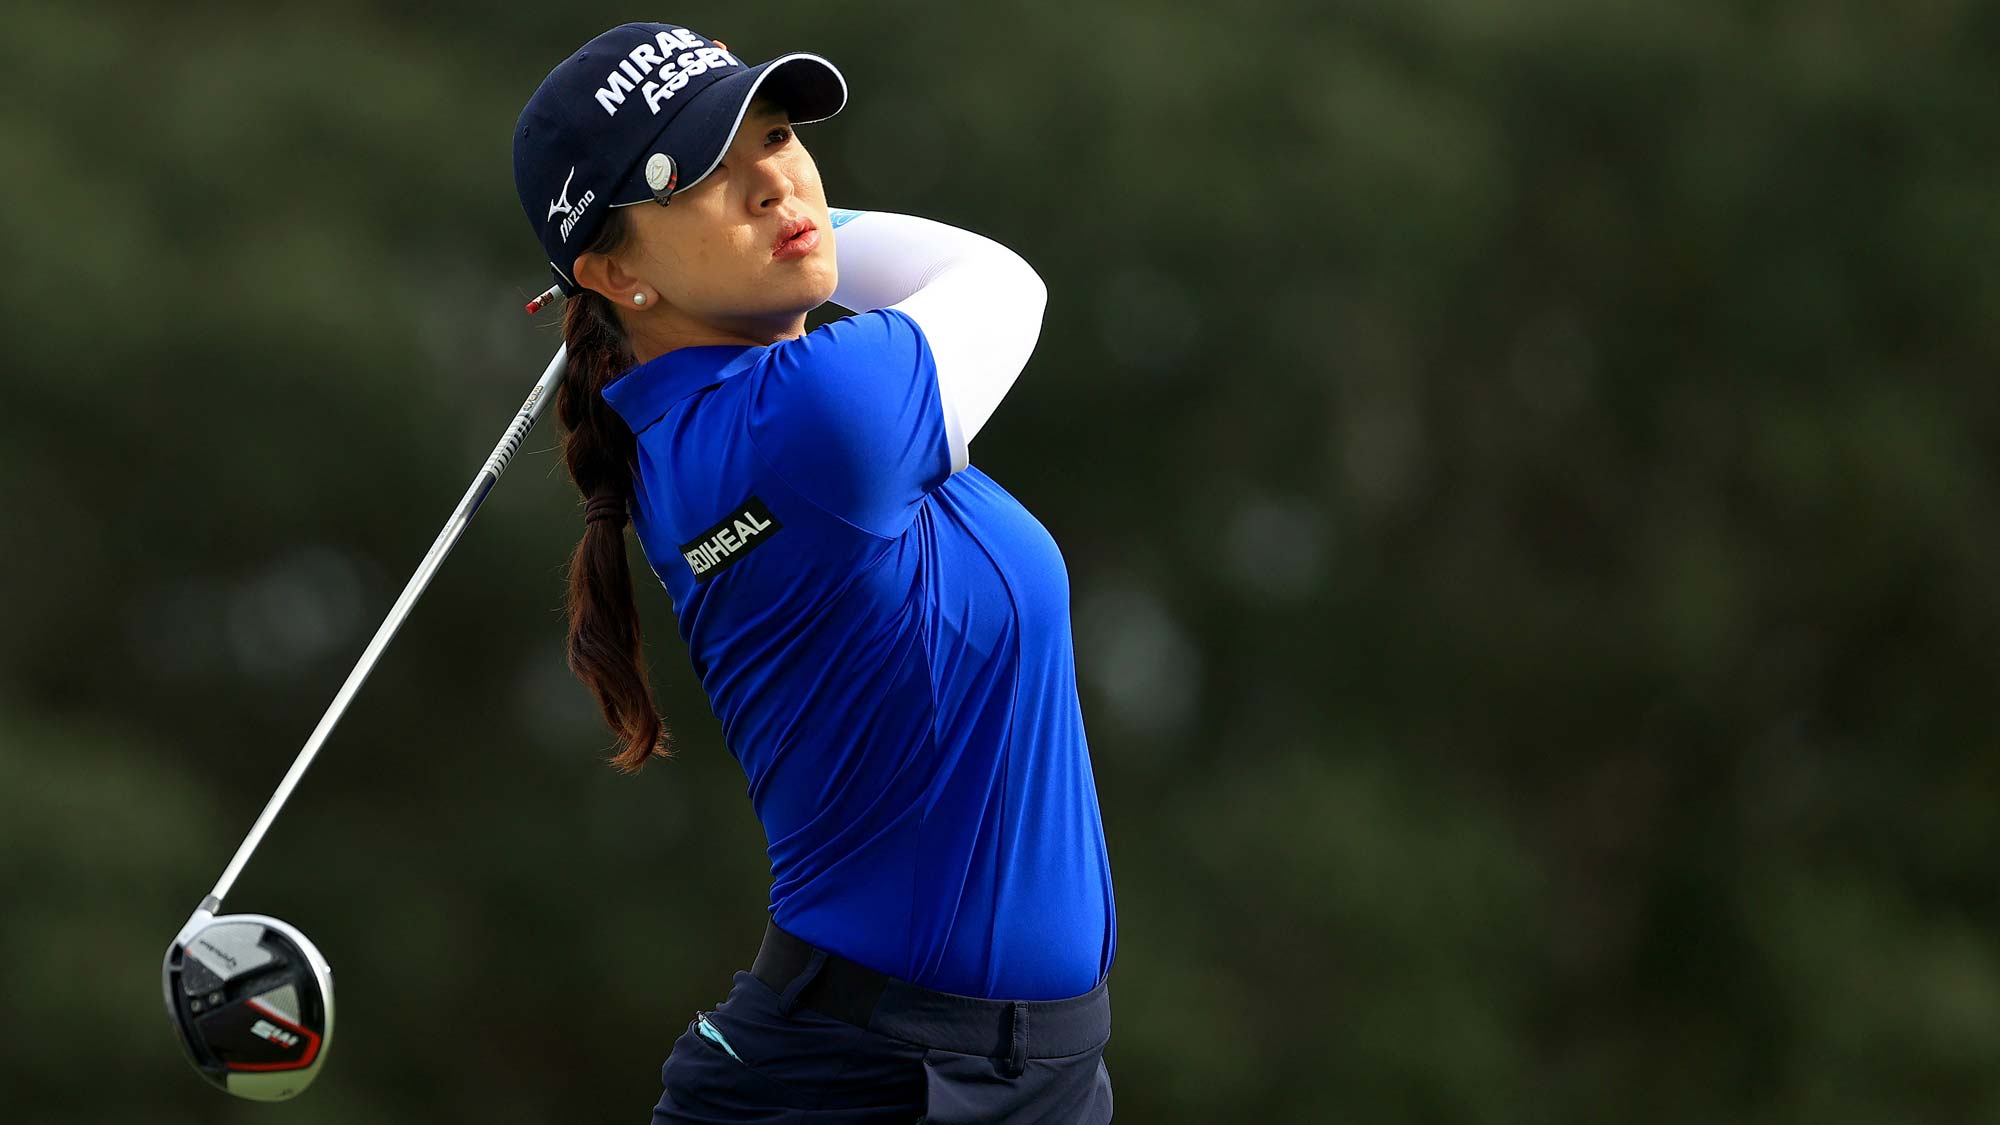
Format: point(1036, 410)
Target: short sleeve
point(849, 415)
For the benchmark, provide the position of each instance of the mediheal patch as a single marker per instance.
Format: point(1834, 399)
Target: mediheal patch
point(742, 531)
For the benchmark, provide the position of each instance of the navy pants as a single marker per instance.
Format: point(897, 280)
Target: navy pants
point(923, 1057)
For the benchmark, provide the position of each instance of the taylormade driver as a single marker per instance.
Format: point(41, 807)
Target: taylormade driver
point(249, 995)
point(253, 1002)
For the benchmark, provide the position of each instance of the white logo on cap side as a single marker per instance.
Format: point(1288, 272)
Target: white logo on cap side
point(561, 205)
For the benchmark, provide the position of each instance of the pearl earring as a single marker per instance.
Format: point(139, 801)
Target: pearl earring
point(638, 298)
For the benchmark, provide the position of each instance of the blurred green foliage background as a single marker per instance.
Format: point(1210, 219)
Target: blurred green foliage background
point(1527, 472)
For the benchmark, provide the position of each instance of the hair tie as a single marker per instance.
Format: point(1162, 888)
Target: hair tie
point(606, 506)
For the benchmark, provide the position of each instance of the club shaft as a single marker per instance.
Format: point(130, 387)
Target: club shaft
point(489, 474)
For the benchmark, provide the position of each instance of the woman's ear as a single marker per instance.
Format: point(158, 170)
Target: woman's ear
point(605, 275)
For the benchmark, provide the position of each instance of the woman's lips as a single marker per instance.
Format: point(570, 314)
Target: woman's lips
point(798, 246)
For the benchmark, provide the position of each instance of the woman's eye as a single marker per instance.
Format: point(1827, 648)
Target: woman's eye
point(779, 134)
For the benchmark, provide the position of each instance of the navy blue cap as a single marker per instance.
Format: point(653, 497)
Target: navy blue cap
point(638, 113)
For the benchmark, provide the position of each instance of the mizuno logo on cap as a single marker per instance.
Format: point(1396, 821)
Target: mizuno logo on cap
point(560, 205)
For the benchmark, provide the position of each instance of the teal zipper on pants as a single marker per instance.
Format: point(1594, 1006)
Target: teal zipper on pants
point(709, 1033)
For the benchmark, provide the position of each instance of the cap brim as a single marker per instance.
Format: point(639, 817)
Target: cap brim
point(808, 86)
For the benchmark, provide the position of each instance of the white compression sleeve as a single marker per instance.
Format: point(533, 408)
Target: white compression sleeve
point(979, 304)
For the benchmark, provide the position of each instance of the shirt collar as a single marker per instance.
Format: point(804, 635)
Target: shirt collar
point(643, 395)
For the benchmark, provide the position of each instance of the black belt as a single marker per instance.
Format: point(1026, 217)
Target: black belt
point(805, 976)
point(839, 988)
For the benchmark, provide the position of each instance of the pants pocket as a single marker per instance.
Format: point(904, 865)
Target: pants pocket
point(747, 1060)
point(707, 1081)
point(963, 1089)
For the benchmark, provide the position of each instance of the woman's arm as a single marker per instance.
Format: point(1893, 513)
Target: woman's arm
point(978, 303)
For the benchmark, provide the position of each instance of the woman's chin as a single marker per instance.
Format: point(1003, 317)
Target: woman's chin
point(810, 280)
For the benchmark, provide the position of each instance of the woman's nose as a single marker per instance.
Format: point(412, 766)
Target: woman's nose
point(774, 185)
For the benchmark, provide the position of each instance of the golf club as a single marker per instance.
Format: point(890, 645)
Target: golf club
point(250, 997)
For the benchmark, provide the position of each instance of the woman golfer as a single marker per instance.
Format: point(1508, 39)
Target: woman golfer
point(882, 630)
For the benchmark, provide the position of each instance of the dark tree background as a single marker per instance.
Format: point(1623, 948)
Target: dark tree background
point(1527, 472)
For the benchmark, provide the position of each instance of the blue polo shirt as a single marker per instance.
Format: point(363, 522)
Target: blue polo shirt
point(887, 645)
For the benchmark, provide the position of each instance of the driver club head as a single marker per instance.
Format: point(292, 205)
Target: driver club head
point(252, 1001)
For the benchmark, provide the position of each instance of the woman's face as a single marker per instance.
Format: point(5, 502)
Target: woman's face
point(705, 262)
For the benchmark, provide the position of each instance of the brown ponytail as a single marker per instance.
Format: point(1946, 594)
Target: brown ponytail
point(604, 648)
